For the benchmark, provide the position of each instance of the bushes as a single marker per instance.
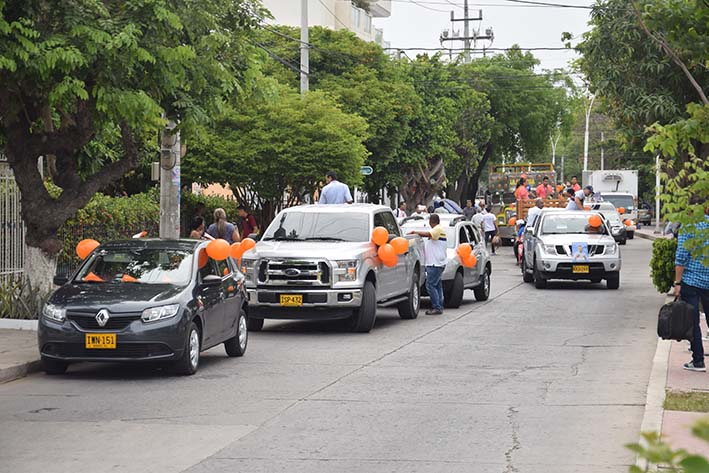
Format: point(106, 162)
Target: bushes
point(19, 300)
point(662, 263)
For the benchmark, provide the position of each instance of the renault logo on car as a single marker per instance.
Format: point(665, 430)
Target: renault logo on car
point(102, 317)
point(292, 272)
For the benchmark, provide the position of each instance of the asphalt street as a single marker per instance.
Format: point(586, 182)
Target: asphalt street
point(548, 381)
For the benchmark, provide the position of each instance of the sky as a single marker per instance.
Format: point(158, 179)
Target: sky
point(414, 25)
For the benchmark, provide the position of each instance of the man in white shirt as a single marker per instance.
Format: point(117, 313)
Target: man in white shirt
point(335, 192)
point(401, 211)
point(579, 196)
point(435, 260)
point(490, 228)
point(534, 212)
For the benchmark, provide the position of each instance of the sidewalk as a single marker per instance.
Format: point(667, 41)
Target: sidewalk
point(648, 233)
point(18, 354)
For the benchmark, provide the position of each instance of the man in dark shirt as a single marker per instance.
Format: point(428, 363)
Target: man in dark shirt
point(469, 210)
point(248, 222)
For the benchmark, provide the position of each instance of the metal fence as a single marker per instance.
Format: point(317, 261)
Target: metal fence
point(12, 229)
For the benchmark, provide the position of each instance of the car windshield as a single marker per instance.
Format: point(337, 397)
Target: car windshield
point(139, 266)
point(569, 223)
point(323, 226)
point(625, 201)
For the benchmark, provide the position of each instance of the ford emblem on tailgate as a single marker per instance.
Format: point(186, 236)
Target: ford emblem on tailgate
point(292, 272)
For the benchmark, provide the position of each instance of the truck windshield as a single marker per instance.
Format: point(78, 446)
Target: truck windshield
point(625, 201)
point(143, 266)
point(325, 226)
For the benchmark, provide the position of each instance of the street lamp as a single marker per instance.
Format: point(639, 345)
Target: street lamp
point(585, 136)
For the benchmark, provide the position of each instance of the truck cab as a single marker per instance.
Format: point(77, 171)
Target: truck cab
point(317, 262)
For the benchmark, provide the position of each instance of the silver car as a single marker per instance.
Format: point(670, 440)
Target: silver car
point(456, 277)
point(562, 245)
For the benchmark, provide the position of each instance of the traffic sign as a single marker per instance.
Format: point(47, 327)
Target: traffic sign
point(366, 170)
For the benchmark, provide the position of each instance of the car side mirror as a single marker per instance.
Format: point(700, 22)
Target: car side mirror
point(60, 280)
point(211, 280)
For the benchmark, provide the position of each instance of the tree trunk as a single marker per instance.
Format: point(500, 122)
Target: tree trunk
point(422, 184)
point(39, 269)
point(474, 183)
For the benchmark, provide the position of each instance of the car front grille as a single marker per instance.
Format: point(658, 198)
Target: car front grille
point(116, 322)
point(122, 350)
point(294, 273)
point(593, 250)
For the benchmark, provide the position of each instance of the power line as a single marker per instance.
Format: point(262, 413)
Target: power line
point(333, 14)
point(422, 3)
point(442, 49)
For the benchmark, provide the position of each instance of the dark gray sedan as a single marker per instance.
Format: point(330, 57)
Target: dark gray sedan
point(145, 300)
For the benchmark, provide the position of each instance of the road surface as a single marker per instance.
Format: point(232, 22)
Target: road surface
point(548, 381)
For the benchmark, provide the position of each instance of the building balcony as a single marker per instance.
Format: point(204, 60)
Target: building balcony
point(380, 8)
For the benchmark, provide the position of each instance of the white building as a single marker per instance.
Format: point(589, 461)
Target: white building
point(334, 14)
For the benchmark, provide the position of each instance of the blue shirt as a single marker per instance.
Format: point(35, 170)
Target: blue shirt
point(213, 231)
point(335, 193)
point(696, 274)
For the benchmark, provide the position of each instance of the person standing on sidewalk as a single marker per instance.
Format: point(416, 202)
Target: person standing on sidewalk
point(692, 286)
point(435, 259)
point(248, 222)
point(335, 192)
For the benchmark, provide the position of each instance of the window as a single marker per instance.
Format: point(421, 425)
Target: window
point(208, 269)
point(463, 235)
point(355, 16)
point(345, 226)
point(387, 220)
point(473, 235)
point(138, 266)
point(223, 268)
point(367, 23)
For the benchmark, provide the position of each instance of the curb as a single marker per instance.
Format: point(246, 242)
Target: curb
point(647, 236)
point(19, 371)
point(18, 324)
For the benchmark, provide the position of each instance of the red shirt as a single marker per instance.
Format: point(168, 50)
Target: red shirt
point(544, 191)
point(521, 193)
point(248, 225)
point(576, 187)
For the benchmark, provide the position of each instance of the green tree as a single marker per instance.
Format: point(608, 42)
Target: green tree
point(80, 75)
point(281, 145)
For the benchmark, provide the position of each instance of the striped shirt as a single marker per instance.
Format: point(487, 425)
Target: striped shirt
point(696, 273)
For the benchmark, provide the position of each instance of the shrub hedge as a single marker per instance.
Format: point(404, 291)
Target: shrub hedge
point(662, 263)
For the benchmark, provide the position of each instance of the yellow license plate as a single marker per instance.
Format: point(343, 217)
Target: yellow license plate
point(580, 268)
point(101, 340)
point(291, 300)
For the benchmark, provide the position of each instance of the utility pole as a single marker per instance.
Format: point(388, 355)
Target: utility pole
point(562, 169)
point(467, 37)
point(603, 160)
point(170, 151)
point(554, 140)
point(585, 136)
point(304, 47)
point(657, 194)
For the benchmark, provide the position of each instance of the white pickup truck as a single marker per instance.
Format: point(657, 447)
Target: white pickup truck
point(317, 262)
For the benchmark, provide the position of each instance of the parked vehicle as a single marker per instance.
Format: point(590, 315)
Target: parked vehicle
point(317, 262)
point(619, 187)
point(456, 277)
point(644, 213)
point(145, 300)
point(615, 220)
point(551, 246)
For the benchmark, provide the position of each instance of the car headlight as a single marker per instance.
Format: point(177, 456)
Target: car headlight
point(159, 313)
point(616, 230)
point(549, 249)
point(246, 265)
point(54, 312)
point(346, 270)
point(611, 249)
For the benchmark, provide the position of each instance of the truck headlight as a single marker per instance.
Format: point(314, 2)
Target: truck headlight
point(159, 313)
point(611, 249)
point(247, 264)
point(346, 270)
point(549, 249)
point(54, 312)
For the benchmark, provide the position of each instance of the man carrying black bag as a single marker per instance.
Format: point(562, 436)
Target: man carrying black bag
point(692, 286)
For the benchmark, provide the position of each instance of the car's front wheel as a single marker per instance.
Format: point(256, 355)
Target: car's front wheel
point(363, 317)
point(52, 366)
point(189, 362)
point(236, 345)
point(539, 281)
point(631, 235)
point(453, 297)
point(482, 292)
point(613, 281)
point(526, 275)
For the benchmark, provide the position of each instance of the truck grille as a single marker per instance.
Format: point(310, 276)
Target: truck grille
point(592, 250)
point(294, 273)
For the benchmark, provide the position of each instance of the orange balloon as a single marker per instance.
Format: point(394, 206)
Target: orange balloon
point(218, 249)
point(387, 254)
point(512, 221)
point(380, 236)
point(85, 247)
point(595, 221)
point(621, 210)
point(464, 251)
point(470, 261)
point(93, 277)
point(203, 258)
point(247, 244)
point(128, 278)
point(401, 245)
point(628, 223)
point(236, 250)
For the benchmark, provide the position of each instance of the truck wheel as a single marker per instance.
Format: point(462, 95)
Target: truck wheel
point(52, 366)
point(236, 346)
point(623, 241)
point(631, 235)
point(409, 309)
point(613, 282)
point(454, 297)
point(482, 292)
point(526, 275)
point(363, 318)
point(539, 281)
point(254, 325)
